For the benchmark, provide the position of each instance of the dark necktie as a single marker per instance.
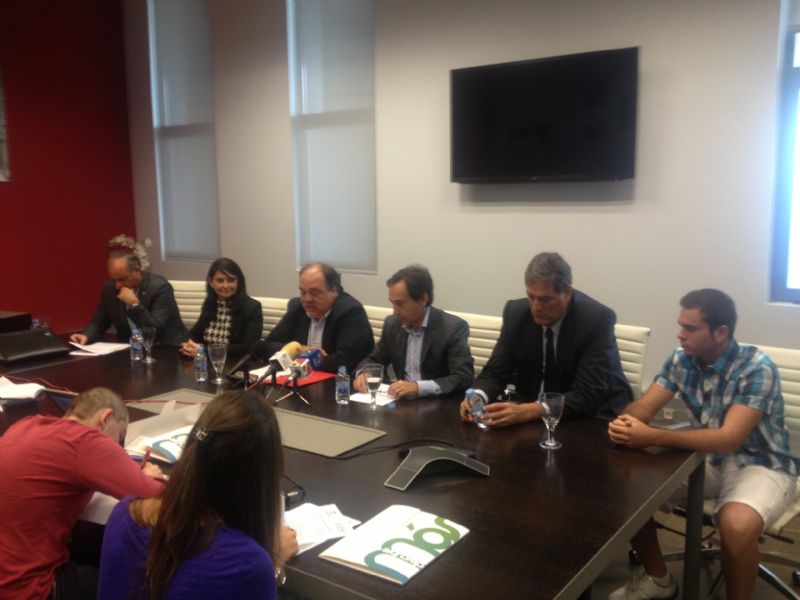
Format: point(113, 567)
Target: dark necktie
point(550, 380)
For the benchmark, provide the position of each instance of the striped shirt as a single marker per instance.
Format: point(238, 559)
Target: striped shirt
point(742, 375)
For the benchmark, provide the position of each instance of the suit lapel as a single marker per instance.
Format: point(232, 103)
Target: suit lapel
point(566, 339)
point(144, 287)
point(538, 355)
point(401, 340)
point(427, 338)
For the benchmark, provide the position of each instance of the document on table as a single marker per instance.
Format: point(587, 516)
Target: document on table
point(382, 398)
point(97, 349)
point(316, 524)
point(8, 389)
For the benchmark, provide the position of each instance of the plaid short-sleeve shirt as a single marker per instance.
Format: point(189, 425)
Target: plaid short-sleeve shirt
point(742, 375)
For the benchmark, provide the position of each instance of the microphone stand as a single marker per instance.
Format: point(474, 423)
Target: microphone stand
point(272, 385)
point(294, 393)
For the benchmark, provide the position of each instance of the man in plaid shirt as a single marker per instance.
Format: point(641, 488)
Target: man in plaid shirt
point(734, 396)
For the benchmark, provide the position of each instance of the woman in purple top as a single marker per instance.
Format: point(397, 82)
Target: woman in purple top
point(214, 531)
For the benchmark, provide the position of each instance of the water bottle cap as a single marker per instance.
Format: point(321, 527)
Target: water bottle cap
point(470, 391)
point(342, 370)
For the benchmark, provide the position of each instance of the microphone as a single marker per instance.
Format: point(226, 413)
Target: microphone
point(279, 361)
point(314, 357)
point(301, 369)
point(304, 365)
point(231, 374)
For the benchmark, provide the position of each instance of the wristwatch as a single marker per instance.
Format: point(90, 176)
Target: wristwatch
point(280, 576)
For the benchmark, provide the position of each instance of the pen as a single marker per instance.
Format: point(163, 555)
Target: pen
point(146, 457)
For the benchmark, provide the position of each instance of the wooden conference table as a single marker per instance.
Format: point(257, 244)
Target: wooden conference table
point(542, 525)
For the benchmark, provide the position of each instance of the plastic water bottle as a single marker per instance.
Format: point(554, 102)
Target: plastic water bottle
point(475, 404)
point(200, 365)
point(342, 386)
point(510, 392)
point(137, 345)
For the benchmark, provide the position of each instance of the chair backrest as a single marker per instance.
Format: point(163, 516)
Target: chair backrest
point(632, 343)
point(189, 295)
point(483, 333)
point(376, 316)
point(788, 362)
point(273, 310)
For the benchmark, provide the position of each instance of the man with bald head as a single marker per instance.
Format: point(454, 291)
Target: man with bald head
point(134, 298)
point(49, 469)
point(324, 316)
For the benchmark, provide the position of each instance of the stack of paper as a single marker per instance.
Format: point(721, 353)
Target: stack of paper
point(316, 524)
point(382, 398)
point(8, 389)
point(97, 349)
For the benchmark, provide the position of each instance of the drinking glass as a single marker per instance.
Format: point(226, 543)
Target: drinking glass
point(217, 353)
point(552, 407)
point(476, 406)
point(148, 337)
point(373, 373)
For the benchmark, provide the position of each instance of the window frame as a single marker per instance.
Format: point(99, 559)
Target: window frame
point(788, 114)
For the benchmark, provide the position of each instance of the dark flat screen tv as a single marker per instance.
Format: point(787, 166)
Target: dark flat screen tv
point(563, 118)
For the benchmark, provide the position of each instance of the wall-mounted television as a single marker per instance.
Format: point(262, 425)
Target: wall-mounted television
point(562, 118)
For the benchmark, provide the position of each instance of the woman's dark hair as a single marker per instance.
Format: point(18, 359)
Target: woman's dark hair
point(229, 474)
point(229, 267)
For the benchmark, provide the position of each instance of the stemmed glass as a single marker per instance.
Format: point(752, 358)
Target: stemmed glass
point(552, 408)
point(217, 353)
point(148, 337)
point(373, 373)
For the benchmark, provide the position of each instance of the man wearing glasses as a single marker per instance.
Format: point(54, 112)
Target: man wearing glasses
point(326, 317)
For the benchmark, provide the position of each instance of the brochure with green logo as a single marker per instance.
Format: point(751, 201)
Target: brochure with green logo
point(396, 544)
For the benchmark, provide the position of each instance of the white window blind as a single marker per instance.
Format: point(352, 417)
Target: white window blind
point(183, 122)
point(331, 70)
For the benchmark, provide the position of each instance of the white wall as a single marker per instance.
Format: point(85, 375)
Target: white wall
point(697, 214)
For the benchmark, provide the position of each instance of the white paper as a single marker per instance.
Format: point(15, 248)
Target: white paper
point(316, 524)
point(97, 349)
point(255, 373)
point(382, 398)
point(9, 389)
point(99, 508)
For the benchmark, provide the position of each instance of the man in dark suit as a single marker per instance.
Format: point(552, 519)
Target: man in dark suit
point(324, 317)
point(427, 347)
point(583, 349)
point(134, 298)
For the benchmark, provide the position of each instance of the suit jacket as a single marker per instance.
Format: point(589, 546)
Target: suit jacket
point(247, 323)
point(587, 359)
point(445, 357)
point(157, 307)
point(347, 337)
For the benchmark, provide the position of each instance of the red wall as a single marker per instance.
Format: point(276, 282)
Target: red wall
point(63, 70)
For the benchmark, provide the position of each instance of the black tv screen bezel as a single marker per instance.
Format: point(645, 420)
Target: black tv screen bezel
point(631, 54)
